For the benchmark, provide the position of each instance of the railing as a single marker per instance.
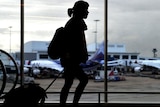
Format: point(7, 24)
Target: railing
point(101, 99)
point(98, 94)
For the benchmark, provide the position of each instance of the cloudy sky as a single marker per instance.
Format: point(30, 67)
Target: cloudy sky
point(41, 18)
point(135, 23)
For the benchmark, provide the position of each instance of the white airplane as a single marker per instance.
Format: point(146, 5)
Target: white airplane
point(148, 65)
point(121, 64)
point(36, 67)
point(43, 67)
point(137, 65)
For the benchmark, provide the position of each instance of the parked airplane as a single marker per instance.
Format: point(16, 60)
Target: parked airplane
point(39, 66)
point(148, 65)
point(52, 67)
point(138, 65)
point(43, 68)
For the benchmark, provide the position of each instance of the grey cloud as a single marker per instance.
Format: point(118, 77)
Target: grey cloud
point(135, 23)
point(3, 30)
point(134, 5)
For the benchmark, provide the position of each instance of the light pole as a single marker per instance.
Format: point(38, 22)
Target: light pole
point(10, 27)
point(96, 34)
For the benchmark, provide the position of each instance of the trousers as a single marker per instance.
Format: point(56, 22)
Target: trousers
point(72, 71)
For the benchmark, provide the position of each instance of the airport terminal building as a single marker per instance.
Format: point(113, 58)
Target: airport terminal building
point(118, 51)
point(34, 50)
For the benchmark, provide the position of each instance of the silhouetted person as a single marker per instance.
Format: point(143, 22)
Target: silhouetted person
point(75, 51)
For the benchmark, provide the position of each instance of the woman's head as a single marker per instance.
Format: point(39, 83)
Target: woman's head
point(80, 9)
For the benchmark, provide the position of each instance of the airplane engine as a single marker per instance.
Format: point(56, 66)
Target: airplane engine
point(137, 69)
point(36, 71)
point(26, 69)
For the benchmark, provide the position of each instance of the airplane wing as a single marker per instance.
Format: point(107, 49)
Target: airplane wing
point(115, 63)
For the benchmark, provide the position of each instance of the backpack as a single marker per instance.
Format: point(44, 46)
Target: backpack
point(30, 95)
point(56, 46)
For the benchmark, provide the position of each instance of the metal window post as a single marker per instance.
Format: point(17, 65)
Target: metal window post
point(22, 44)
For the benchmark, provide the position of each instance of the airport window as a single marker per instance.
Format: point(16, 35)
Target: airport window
point(111, 45)
point(142, 58)
point(108, 56)
point(141, 72)
point(126, 23)
point(123, 16)
point(42, 30)
point(125, 57)
point(120, 46)
point(48, 28)
point(133, 56)
point(116, 56)
point(43, 56)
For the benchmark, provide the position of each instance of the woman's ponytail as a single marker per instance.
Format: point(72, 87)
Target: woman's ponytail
point(70, 12)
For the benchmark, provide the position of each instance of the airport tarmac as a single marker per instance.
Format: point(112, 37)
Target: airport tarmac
point(139, 88)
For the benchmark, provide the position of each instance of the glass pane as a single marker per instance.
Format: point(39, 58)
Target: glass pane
point(134, 23)
point(41, 19)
